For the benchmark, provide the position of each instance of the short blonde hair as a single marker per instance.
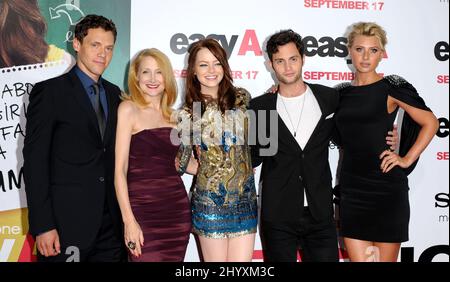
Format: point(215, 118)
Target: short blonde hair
point(170, 91)
point(367, 29)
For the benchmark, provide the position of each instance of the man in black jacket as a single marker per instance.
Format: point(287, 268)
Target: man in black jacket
point(69, 155)
point(296, 206)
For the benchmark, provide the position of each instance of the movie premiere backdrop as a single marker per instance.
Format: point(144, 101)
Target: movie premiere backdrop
point(418, 50)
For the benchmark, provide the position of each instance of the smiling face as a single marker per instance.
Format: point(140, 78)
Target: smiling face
point(209, 72)
point(95, 52)
point(366, 53)
point(150, 78)
point(287, 64)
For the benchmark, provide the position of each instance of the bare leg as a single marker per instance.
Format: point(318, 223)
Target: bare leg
point(240, 249)
point(388, 251)
point(214, 250)
point(361, 251)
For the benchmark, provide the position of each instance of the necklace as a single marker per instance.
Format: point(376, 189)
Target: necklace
point(295, 129)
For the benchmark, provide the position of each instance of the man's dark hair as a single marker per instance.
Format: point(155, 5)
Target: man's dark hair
point(282, 38)
point(94, 21)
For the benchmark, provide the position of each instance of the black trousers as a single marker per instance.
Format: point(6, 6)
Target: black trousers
point(318, 240)
point(107, 247)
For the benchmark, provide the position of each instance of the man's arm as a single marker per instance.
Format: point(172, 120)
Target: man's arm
point(36, 155)
point(254, 142)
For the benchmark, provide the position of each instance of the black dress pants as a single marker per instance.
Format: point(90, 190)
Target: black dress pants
point(318, 240)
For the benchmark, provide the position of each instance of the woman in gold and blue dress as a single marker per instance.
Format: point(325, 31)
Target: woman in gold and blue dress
point(213, 121)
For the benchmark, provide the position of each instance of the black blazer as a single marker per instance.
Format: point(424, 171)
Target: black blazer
point(286, 173)
point(68, 169)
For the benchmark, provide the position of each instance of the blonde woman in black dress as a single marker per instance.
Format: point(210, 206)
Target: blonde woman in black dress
point(374, 208)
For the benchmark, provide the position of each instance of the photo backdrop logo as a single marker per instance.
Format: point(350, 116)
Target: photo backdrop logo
point(325, 46)
point(180, 42)
point(441, 51)
point(443, 128)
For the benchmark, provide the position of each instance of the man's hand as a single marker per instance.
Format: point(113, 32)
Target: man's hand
point(392, 138)
point(273, 89)
point(48, 243)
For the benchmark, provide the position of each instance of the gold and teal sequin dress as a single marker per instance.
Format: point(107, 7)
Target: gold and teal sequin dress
point(223, 201)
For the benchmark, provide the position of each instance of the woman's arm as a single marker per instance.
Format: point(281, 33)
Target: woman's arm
point(191, 168)
point(429, 126)
point(184, 128)
point(126, 119)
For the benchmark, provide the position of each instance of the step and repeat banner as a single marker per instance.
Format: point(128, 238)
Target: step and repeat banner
point(418, 50)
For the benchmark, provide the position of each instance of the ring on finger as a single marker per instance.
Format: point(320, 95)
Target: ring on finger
point(131, 245)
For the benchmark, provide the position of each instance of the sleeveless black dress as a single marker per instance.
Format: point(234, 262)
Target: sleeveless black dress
point(374, 206)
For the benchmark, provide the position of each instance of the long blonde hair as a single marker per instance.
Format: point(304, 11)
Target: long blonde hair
point(170, 90)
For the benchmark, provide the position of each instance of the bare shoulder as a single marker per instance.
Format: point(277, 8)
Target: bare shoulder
point(127, 108)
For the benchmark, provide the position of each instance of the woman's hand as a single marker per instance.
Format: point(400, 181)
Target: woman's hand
point(392, 159)
point(177, 164)
point(134, 238)
point(192, 167)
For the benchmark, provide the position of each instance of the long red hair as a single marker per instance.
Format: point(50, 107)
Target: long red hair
point(227, 92)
